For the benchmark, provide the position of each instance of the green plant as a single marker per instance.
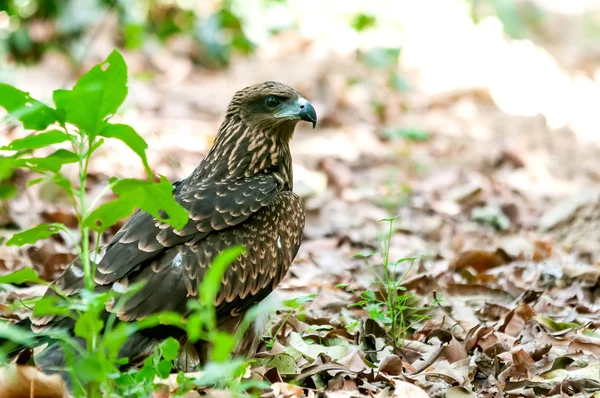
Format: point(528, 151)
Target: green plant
point(79, 124)
point(295, 307)
point(389, 302)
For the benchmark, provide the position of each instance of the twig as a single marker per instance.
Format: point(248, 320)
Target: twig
point(430, 360)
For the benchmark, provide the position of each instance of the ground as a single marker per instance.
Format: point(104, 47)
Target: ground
point(489, 157)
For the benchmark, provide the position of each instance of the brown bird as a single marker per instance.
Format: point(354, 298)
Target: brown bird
point(240, 194)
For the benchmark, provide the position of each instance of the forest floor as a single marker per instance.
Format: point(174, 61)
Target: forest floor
point(501, 208)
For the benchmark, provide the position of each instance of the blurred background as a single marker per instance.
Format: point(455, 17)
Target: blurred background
point(475, 121)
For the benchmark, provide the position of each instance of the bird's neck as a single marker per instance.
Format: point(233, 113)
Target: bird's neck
point(242, 152)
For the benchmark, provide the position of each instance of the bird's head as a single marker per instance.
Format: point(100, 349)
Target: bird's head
point(271, 107)
point(254, 137)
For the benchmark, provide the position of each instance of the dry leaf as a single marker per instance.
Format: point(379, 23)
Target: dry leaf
point(30, 382)
point(407, 390)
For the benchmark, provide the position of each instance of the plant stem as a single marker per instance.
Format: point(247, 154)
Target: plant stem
point(85, 233)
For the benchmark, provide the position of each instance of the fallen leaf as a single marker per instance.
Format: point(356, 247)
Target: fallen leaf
point(28, 381)
point(407, 390)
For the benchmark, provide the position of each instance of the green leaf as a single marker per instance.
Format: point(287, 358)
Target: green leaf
point(194, 326)
point(7, 190)
point(154, 198)
point(362, 22)
point(163, 368)
point(169, 348)
point(110, 213)
point(492, 215)
point(300, 301)
point(51, 305)
point(62, 181)
point(21, 276)
point(398, 82)
point(114, 339)
point(96, 96)
point(312, 351)
point(211, 283)
point(215, 372)
point(379, 57)
point(147, 373)
point(32, 113)
point(52, 162)
point(223, 345)
point(35, 181)
point(16, 334)
point(134, 36)
point(30, 236)
point(162, 318)
point(369, 295)
point(407, 134)
point(92, 368)
point(37, 141)
point(284, 363)
point(365, 254)
point(131, 138)
point(7, 165)
point(556, 326)
point(88, 325)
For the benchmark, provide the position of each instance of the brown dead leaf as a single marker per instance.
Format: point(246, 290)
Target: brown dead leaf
point(285, 390)
point(475, 334)
point(30, 382)
point(541, 250)
point(492, 312)
point(455, 351)
point(460, 392)
point(64, 217)
point(481, 260)
point(516, 319)
point(586, 344)
point(392, 365)
point(404, 389)
point(354, 361)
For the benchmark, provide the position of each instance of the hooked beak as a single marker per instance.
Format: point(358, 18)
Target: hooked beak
point(308, 113)
point(299, 109)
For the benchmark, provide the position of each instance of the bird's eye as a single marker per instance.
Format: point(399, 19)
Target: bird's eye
point(272, 102)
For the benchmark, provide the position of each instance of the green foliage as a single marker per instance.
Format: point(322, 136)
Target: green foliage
point(295, 308)
point(381, 58)
point(20, 106)
point(519, 19)
point(39, 140)
point(81, 120)
point(103, 89)
point(217, 33)
point(491, 215)
point(407, 134)
point(362, 22)
point(151, 197)
point(32, 235)
point(389, 302)
point(21, 276)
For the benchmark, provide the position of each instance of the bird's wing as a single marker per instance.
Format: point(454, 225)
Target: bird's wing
point(272, 238)
point(212, 206)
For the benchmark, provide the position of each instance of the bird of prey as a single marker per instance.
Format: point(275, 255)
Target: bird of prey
point(240, 194)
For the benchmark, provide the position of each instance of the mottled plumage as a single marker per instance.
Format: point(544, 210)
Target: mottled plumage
point(240, 194)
